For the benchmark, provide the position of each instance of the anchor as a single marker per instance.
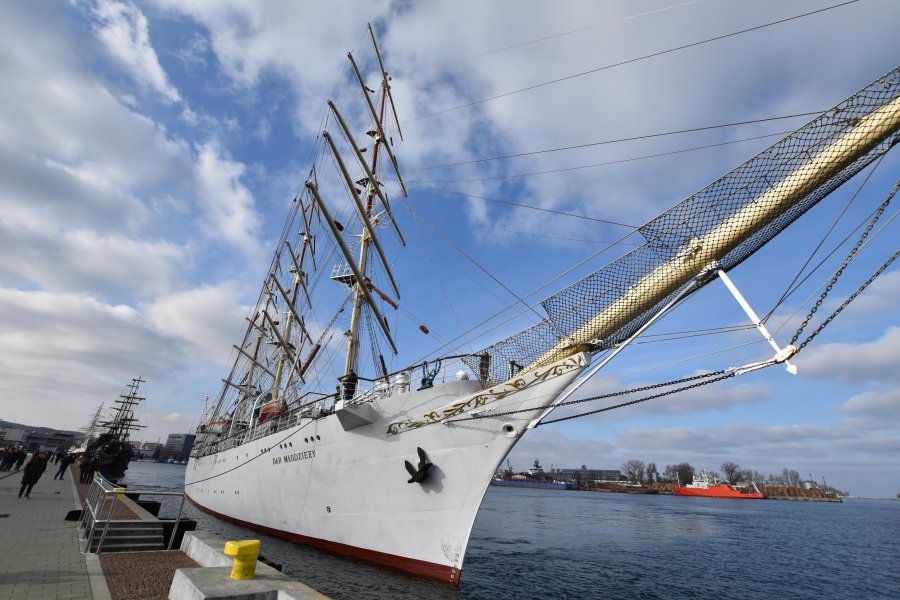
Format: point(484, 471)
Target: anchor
point(420, 474)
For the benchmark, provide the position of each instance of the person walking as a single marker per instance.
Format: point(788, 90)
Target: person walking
point(63, 462)
point(33, 471)
point(20, 457)
point(87, 469)
point(9, 456)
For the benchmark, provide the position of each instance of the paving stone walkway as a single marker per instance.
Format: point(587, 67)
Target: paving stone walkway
point(40, 556)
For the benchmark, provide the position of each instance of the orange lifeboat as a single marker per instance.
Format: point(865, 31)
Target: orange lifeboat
point(272, 410)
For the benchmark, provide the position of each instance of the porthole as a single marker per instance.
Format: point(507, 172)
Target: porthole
point(318, 438)
point(306, 440)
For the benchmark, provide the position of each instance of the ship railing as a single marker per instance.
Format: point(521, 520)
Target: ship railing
point(99, 510)
point(413, 377)
point(314, 405)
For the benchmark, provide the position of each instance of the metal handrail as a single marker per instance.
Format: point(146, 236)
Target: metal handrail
point(97, 499)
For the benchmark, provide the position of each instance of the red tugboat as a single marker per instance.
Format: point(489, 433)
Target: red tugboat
point(703, 486)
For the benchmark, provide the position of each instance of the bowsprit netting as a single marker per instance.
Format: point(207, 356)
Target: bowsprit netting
point(722, 224)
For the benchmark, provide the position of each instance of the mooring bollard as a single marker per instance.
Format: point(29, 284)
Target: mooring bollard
point(245, 554)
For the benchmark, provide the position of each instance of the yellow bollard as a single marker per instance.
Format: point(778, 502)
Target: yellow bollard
point(245, 553)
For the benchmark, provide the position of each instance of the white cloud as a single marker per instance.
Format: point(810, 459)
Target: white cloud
point(876, 409)
point(84, 260)
point(862, 362)
point(879, 298)
point(227, 204)
point(251, 41)
point(208, 320)
point(82, 349)
point(122, 27)
point(716, 397)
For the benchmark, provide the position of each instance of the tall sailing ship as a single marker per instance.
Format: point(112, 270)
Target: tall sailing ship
point(310, 442)
point(112, 451)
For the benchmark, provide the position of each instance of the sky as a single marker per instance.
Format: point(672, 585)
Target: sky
point(149, 153)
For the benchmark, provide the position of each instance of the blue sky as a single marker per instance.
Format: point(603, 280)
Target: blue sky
point(150, 151)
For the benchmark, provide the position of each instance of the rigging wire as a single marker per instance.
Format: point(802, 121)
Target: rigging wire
point(529, 294)
point(480, 267)
point(829, 255)
point(846, 302)
point(812, 254)
point(696, 381)
point(852, 254)
point(699, 333)
point(630, 61)
point(723, 329)
point(718, 375)
point(552, 237)
point(564, 33)
point(619, 140)
point(520, 205)
point(440, 282)
point(601, 164)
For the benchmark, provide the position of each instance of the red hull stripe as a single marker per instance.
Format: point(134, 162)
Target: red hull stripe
point(410, 565)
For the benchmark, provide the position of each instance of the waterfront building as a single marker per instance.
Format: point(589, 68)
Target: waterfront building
point(178, 445)
point(585, 474)
point(35, 439)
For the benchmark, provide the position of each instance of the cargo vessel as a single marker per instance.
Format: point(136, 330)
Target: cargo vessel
point(707, 486)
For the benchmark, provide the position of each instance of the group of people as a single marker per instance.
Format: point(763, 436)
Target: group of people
point(12, 455)
point(38, 464)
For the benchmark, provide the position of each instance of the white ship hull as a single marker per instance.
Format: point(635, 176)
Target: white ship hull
point(339, 482)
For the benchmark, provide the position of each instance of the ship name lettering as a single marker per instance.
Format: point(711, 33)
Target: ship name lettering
point(288, 458)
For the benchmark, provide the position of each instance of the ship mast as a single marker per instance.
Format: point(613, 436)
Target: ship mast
point(124, 421)
point(368, 238)
point(290, 300)
point(350, 364)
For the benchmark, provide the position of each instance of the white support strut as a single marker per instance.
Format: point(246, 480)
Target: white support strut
point(781, 354)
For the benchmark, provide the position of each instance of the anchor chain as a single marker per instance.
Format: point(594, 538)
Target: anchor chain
point(610, 395)
point(846, 302)
point(843, 266)
point(724, 374)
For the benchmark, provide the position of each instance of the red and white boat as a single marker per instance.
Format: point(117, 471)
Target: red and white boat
point(710, 487)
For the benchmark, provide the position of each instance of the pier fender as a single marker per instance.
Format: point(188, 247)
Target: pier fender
point(420, 474)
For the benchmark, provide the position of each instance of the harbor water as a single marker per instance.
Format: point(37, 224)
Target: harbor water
point(533, 543)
